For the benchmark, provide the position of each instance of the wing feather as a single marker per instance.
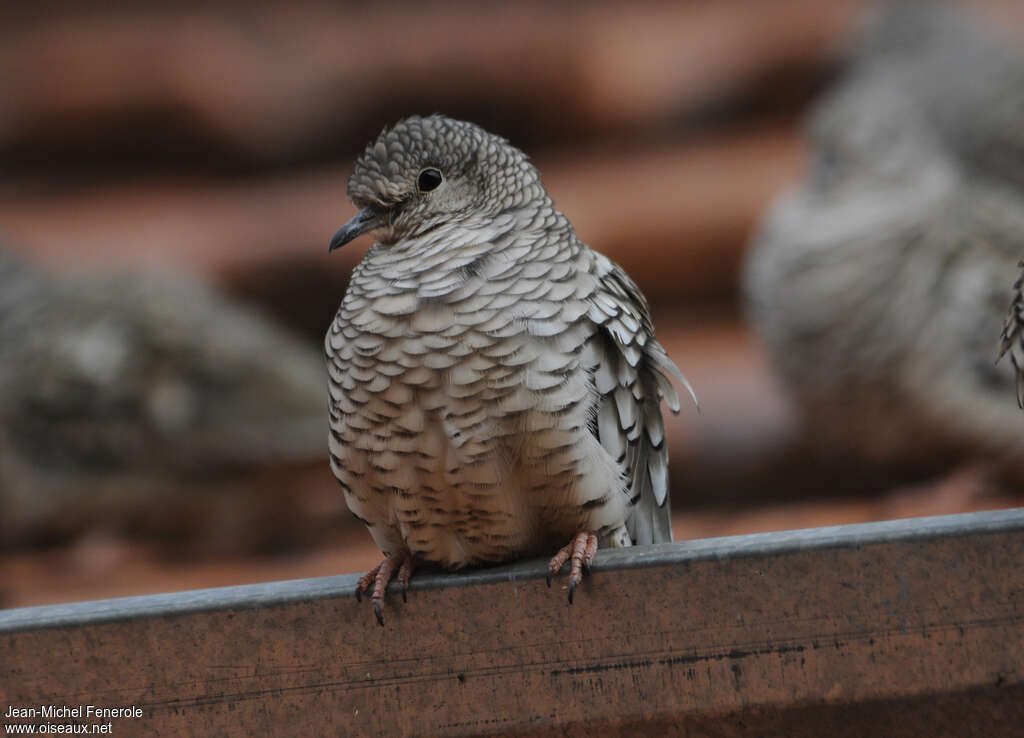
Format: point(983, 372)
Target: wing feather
point(632, 375)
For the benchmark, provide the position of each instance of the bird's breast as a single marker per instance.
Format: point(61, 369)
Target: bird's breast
point(457, 432)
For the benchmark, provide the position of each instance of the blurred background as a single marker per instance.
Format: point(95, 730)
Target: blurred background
point(171, 173)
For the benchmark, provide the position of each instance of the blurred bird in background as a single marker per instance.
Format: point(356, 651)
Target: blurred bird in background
point(1013, 336)
point(879, 284)
point(120, 395)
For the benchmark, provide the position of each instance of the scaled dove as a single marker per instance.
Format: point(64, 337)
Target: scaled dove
point(494, 383)
point(1013, 335)
point(880, 283)
point(143, 402)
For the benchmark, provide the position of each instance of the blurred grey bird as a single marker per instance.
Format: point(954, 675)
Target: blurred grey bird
point(494, 383)
point(134, 399)
point(878, 286)
point(1013, 335)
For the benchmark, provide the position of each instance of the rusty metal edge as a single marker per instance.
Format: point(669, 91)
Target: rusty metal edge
point(270, 594)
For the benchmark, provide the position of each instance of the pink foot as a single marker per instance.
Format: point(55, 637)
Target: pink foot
point(403, 562)
point(580, 551)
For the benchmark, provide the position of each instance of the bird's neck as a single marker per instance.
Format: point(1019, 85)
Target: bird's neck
point(454, 257)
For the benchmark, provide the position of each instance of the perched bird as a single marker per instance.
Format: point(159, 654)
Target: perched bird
point(879, 284)
point(494, 383)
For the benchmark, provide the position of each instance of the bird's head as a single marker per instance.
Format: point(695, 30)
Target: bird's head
point(424, 173)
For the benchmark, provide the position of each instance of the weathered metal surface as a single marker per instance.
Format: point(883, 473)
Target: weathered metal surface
point(903, 628)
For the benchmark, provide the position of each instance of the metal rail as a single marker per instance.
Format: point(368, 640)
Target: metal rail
point(902, 628)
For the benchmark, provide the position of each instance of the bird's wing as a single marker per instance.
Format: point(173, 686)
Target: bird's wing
point(1013, 335)
point(632, 375)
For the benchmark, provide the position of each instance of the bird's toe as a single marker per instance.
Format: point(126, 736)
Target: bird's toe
point(579, 552)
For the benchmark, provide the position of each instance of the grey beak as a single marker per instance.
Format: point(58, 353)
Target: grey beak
point(365, 220)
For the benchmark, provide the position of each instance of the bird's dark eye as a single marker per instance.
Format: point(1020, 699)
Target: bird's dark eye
point(429, 179)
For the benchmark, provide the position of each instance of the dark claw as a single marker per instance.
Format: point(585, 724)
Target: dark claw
point(379, 612)
point(548, 578)
point(359, 593)
point(405, 588)
point(572, 588)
